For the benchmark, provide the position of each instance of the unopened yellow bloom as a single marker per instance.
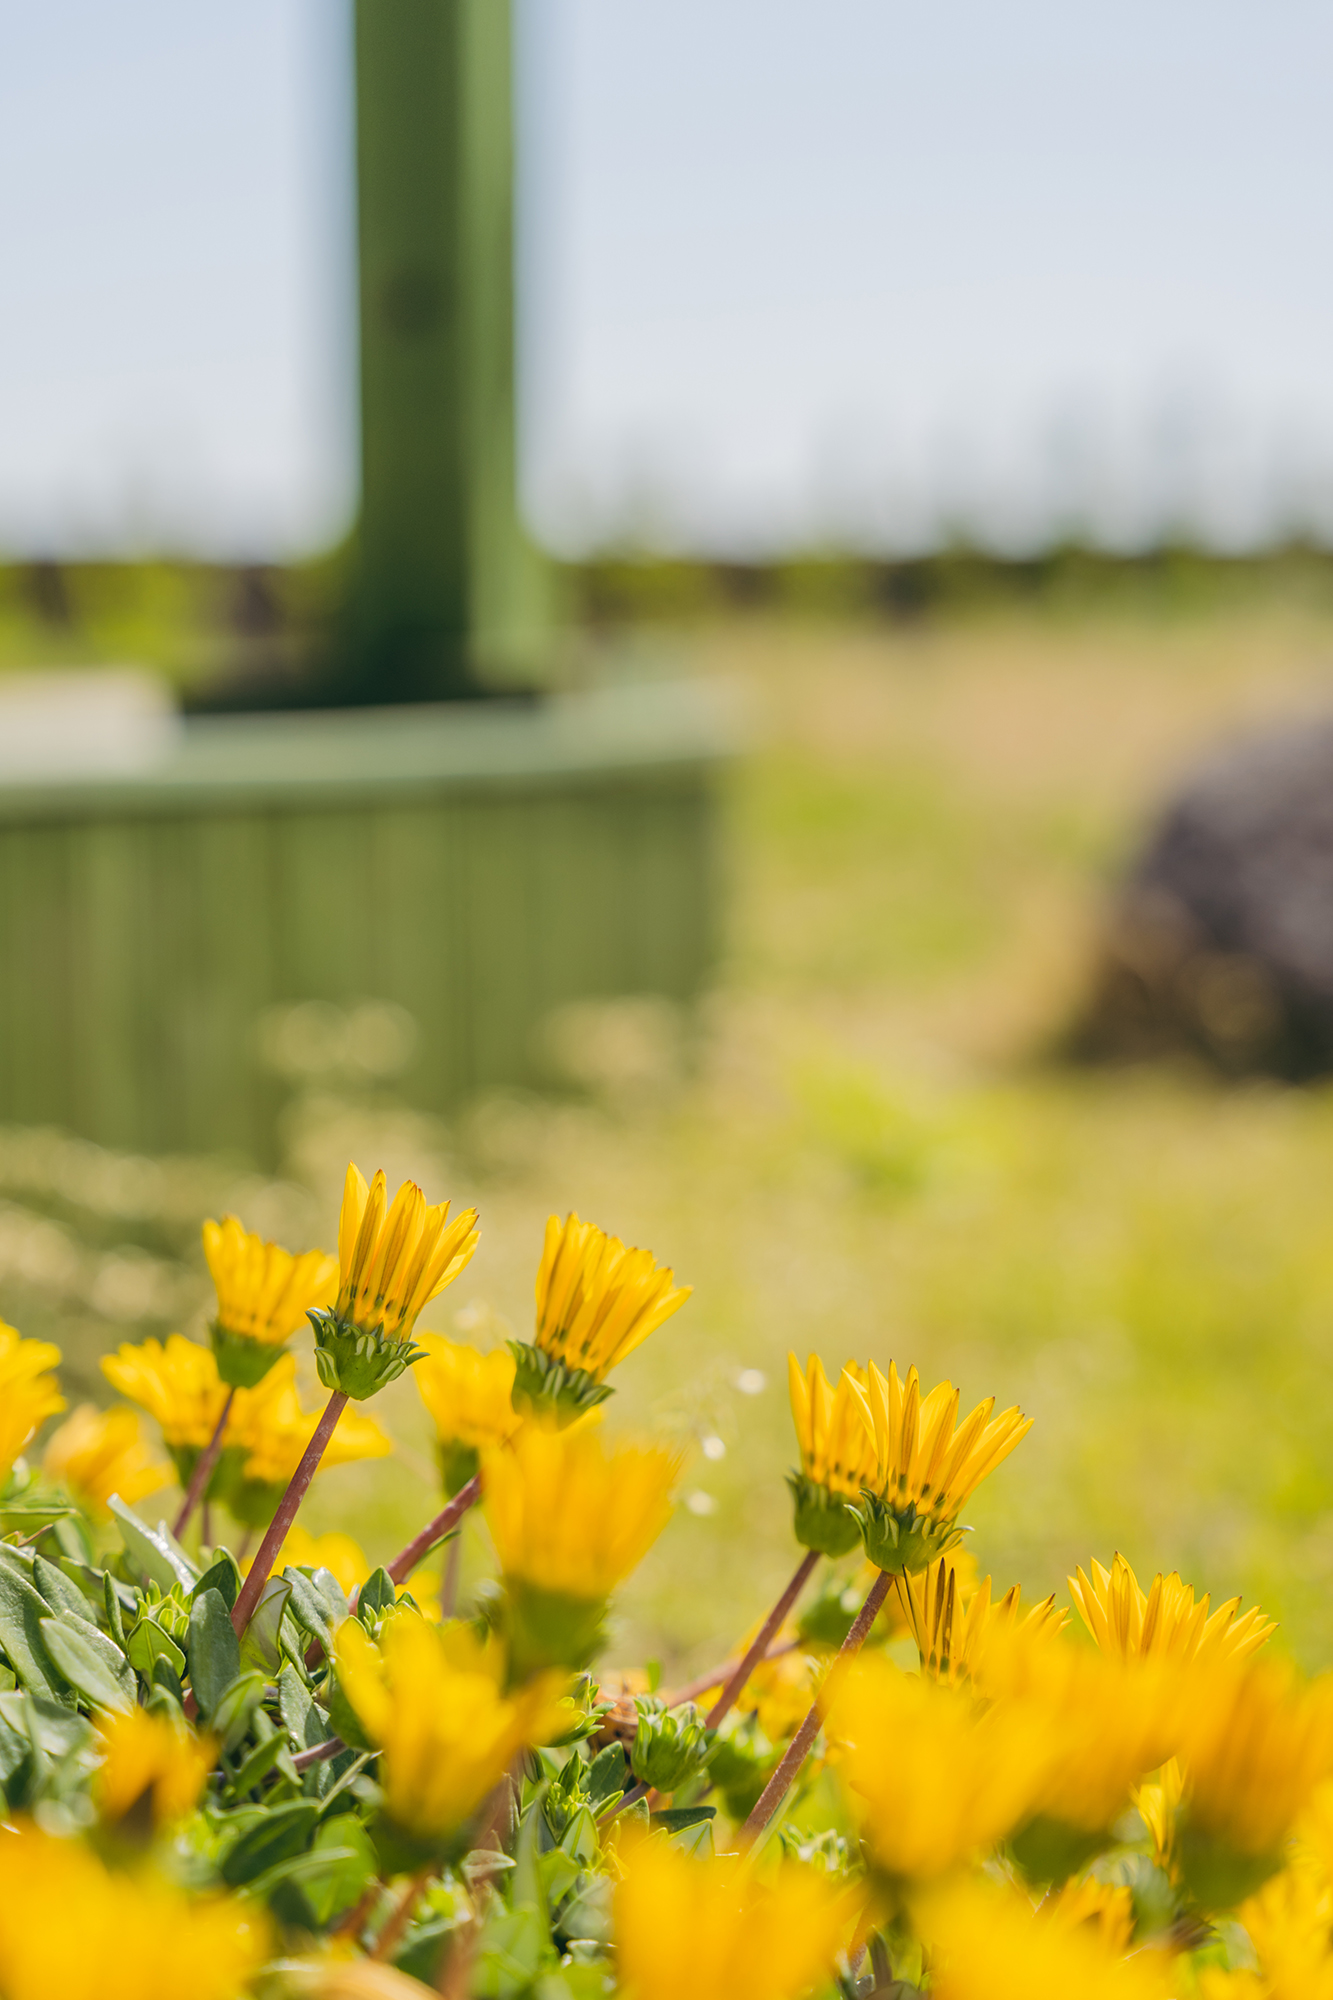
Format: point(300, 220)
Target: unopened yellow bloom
point(988, 1943)
point(150, 1761)
point(176, 1381)
point(703, 1926)
point(927, 1465)
point(1255, 1744)
point(470, 1399)
point(395, 1258)
point(264, 1297)
point(596, 1300)
point(72, 1929)
point(28, 1392)
point(953, 1624)
point(1167, 1624)
point(430, 1698)
point(935, 1780)
point(832, 1426)
point(571, 1517)
point(96, 1453)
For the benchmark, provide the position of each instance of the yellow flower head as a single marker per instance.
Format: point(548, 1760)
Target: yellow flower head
point(395, 1258)
point(704, 1926)
point(96, 1453)
point(73, 1929)
point(933, 1779)
point(596, 1300)
point(270, 1426)
point(832, 1427)
point(953, 1624)
point(927, 1464)
point(264, 1292)
point(29, 1394)
point(430, 1698)
point(1167, 1624)
point(988, 1943)
point(338, 1554)
point(176, 1381)
point(1290, 1922)
point(1105, 1909)
point(148, 1761)
point(469, 1395)
point(1255, 1744)
point(570, 1517)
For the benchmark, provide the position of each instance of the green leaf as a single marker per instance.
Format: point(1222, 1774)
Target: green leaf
point(54, 1728)
point(303, 1722)
point(59, 1592)
point(343, 1719)
point(309, 1606)
point(260, 1762)
point(343, 1849)
point(513, 1946)
point(156, 1551)
point(605, 1776)
point(376, 1596)
point(90, 1661)
point(21, 1613)
point(148, 1644)
point(224, 1577)
point(259, 1647)
point(215, 1651)
point(680, 1818)
point(111, 1604)
point(284, 1831)
point(236, 1704)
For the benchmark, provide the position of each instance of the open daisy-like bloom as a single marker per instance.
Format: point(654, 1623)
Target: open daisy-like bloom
point(96, 1453)
point(927, 1465)
point(176, 1381)
point(29, 1393)
point(150, 1761)
point(1167, 1623)
point(838, 1456)
point(597, 1300)
point(470, 1397)
point(264, 1295)
point(953, 1626)
point(393, 1259)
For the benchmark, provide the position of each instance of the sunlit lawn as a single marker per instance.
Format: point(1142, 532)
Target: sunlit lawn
point(868, 1151)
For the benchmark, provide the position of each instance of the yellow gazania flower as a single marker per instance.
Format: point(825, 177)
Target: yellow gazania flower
point(706, 1927)
point(29, 1394)
point(780, 1693)
point(176, 1381)
point(1104, 1908)
point(596, 1300)
point(470, 1398)
point(1255, 1744)
point(96, 1453)
point(147, 1759)
point(264, 1295)
point(570, 1517)
point(338, 1554)
point(393, 1263)
point(988, 1943)
point(269, 1425)
point(1289, 1922)
point(953, 1623)
point(73, 1929)
point(927, 1465)
point(837, 1449)
point(933, 1779)
point(429, 1697)
point(1156, 1804)
point(1167, 1623)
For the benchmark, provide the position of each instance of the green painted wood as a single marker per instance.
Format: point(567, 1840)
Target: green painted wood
point(448, 593)
point(150, 925)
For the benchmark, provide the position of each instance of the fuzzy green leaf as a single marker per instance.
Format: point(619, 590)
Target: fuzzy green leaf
point(90, 1662)
point(215, 1651)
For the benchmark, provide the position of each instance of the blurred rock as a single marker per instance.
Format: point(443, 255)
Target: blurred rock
point(1221, 940)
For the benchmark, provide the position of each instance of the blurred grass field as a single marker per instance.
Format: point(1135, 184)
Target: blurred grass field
point(864, 1144)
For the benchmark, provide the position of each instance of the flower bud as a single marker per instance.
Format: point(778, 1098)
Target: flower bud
point(670, 1744)
point(823, 1519)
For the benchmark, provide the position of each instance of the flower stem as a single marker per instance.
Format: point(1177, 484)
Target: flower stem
point(759, 1645)
point(387, 1941)
point(799, 1748)
point(203, 1470)
point(262, 1567)
point(435, 1531)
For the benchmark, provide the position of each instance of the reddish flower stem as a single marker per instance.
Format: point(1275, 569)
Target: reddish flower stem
point(435, 1531)
point(262, 1567)
point(203, 1470)
point(705, 1683)
point(387, 1941)
point(759, 1645)
point(799, 1748)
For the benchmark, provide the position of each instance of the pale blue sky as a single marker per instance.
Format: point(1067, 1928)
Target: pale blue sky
point(860, 269)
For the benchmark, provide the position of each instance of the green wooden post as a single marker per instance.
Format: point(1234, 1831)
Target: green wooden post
point(448, 596)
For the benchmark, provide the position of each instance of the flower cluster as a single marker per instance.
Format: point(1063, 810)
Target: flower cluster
point(297, 1772)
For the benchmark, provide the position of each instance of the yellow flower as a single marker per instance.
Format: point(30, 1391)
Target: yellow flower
point(934, 1780)
point(706, 1928)
point(927, 1465)
point(28, 1392)
point(72, 1929)
point(1104, 1908)
point(148, 1761)
point(96, 1453)
point(988, 1943)
point(264, 1295)
point(429, 1698)
point(1167, 1623)
point(338, 1554)
point(953, 1624)
point(1255, 1744)
point(1156, 1804)
point(470, 1398)
point(780, 1693)
point(392, 1264)
point(838, 1456)
point(177, 1382)
point(269, 1425)
point(596, 1300)
point(1289, 1922)
point(570, 1517)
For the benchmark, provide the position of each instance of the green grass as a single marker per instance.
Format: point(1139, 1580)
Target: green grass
point(871, 1152)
